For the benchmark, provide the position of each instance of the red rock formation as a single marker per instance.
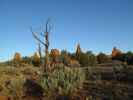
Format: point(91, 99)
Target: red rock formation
point(115, 52)
point(54, 53)
point(78, 50)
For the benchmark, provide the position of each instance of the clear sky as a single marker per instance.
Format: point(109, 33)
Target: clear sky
point(98, 25)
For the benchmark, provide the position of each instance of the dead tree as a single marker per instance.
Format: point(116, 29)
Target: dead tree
point(43, 39)
point(40, 52)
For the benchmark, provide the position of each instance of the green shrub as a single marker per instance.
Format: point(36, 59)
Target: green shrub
point(63, 79)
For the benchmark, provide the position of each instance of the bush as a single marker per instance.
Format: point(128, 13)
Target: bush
point(36, 60)
point(64, 80)
point(17, 59)
point(14, 87)
point(103, 58)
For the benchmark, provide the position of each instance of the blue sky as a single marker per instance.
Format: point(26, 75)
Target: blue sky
point(98, 25)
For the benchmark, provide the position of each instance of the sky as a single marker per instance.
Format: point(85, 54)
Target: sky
point(98, 25)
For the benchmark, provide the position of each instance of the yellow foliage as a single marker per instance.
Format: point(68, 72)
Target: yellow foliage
point(36, 60)
point(115, 52)
point(54, 53)
point(17, 56)
point(36, 57)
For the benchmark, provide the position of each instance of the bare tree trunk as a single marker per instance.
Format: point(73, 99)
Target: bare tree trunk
point(40, 52)
point(45, 43)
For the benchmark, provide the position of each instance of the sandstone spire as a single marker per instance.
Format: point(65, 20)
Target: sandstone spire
point(78, 51)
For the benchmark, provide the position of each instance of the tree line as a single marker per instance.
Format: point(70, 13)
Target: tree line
point(75, 59)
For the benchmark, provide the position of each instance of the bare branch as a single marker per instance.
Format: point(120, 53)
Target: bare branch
point(43, 38)
point(43, 35)
point(48, 25)
point(37, 38)
point(39, 50)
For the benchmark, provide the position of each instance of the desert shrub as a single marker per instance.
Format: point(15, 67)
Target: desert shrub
point(103, 58)
point(30, 70)
point(92, 59)
point(26, 60)
point(125, 57)
point(14, 87)
point(8, 70)
point(12, 80)
point(63, 80)
point(83, 59)
point(54, 54)
point(17, 59)
point(65, 57)
point(17, 86)
point(36, 60)
point(86, 59)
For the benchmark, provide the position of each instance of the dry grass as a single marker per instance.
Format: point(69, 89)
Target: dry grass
point(12, 80)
